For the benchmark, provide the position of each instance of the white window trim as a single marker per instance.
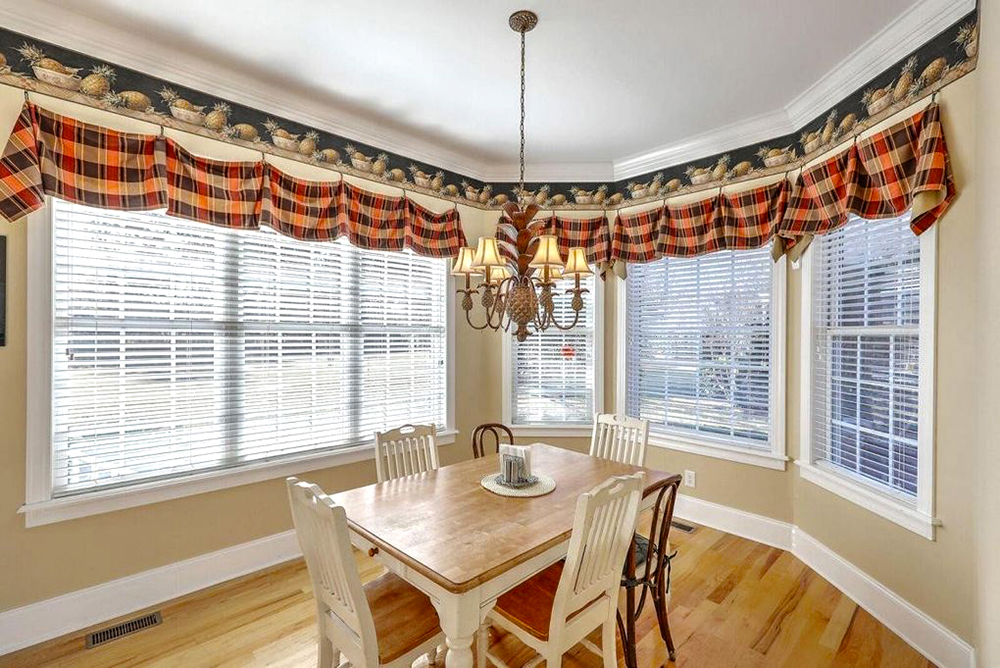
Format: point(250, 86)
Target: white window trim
point(918, 518)
point(558, 429)
point(41, 508)
point(774, 455)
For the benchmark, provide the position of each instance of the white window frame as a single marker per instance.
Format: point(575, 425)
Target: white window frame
point(918, 518)
point(775, 457)
point(557, 429)
point(41, 508)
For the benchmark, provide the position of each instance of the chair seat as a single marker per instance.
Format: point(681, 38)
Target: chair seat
point(403, 615)
point(529, 605)
point(640, 546)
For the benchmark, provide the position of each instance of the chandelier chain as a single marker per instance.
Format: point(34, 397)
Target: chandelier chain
point(522, 116)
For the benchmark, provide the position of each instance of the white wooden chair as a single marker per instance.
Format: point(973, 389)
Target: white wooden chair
point(559, 607)
point(386, 623)
point(620, 438)
point(405, 451)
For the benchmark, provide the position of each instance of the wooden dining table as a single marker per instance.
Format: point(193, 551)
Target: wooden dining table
point(464, 546)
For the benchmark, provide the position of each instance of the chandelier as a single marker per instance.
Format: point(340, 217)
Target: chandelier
point(518, 294)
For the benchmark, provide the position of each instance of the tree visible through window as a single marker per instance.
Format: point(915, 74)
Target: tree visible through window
point(698, 345)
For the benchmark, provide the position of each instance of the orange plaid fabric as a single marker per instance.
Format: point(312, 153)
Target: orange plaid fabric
point(879, 177)
point(738, 221)
point(432, 234)
point(80, 162)
point(591, 234)
point(20, 177)
point(383, 222)
point(299, 208)
point(51, 154)
point(227, 194)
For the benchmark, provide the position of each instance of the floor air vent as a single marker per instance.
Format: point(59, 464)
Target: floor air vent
point(680, 526)
point(125, 628)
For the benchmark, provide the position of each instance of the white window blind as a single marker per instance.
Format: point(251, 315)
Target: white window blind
point(698, 346)
point(865, 323)
point(553, 371)
point(179, 347)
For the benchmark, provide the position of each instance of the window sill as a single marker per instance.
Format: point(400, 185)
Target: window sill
point(105, 501)
point(872, 500)
point(553, 430)
point(719, 450)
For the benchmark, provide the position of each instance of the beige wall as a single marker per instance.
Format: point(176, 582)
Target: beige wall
point(938, 577)
point(984, 378)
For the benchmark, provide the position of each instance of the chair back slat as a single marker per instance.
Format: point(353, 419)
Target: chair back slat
point(405, 451)
point(496, 430)
point(321, 527)
point(602, 533)
point(620, 438)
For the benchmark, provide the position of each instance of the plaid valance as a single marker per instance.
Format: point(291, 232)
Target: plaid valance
point(591, 234)
point(735, 221)
point(20, 176)
point(47, 153)
point(901, 168)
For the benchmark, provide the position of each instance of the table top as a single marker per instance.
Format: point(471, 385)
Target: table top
point(444, 525)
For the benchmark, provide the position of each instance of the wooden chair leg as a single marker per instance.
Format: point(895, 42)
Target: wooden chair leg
point(328, 656)
point(608, 650)
point(660, 605)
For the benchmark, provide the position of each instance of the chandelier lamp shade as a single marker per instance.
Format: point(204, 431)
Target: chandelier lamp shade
point(517, 295)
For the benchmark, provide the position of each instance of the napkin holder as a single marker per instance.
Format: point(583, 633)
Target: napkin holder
point(515, 463)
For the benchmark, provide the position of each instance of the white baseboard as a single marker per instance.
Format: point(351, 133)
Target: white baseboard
point(738, 522)
point(923, 633)
point(51, 618)
point(54, 617)
point(920, 631)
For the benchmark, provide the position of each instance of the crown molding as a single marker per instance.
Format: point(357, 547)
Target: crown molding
point(917, 25)
point(727, 137)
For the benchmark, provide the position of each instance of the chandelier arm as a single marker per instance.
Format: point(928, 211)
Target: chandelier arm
point(485, 325)
point(576, 318)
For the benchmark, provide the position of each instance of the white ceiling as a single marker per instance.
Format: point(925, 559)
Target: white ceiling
point(439, 78)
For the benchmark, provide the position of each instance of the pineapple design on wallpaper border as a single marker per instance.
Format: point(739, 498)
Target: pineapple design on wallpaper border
point(48, 68)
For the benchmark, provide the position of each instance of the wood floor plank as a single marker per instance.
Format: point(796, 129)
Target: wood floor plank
point(735, 603)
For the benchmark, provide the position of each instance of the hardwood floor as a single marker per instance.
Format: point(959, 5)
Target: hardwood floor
point(735, 604)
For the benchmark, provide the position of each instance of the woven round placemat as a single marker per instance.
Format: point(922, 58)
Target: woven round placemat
point(544, 485)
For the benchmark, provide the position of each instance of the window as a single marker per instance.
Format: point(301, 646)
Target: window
point(702, 349)
point(552, 379)
point(867, 352)
point(179, 348)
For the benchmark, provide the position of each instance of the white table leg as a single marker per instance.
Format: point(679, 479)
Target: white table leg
point(459, 653)
point(459, 615)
